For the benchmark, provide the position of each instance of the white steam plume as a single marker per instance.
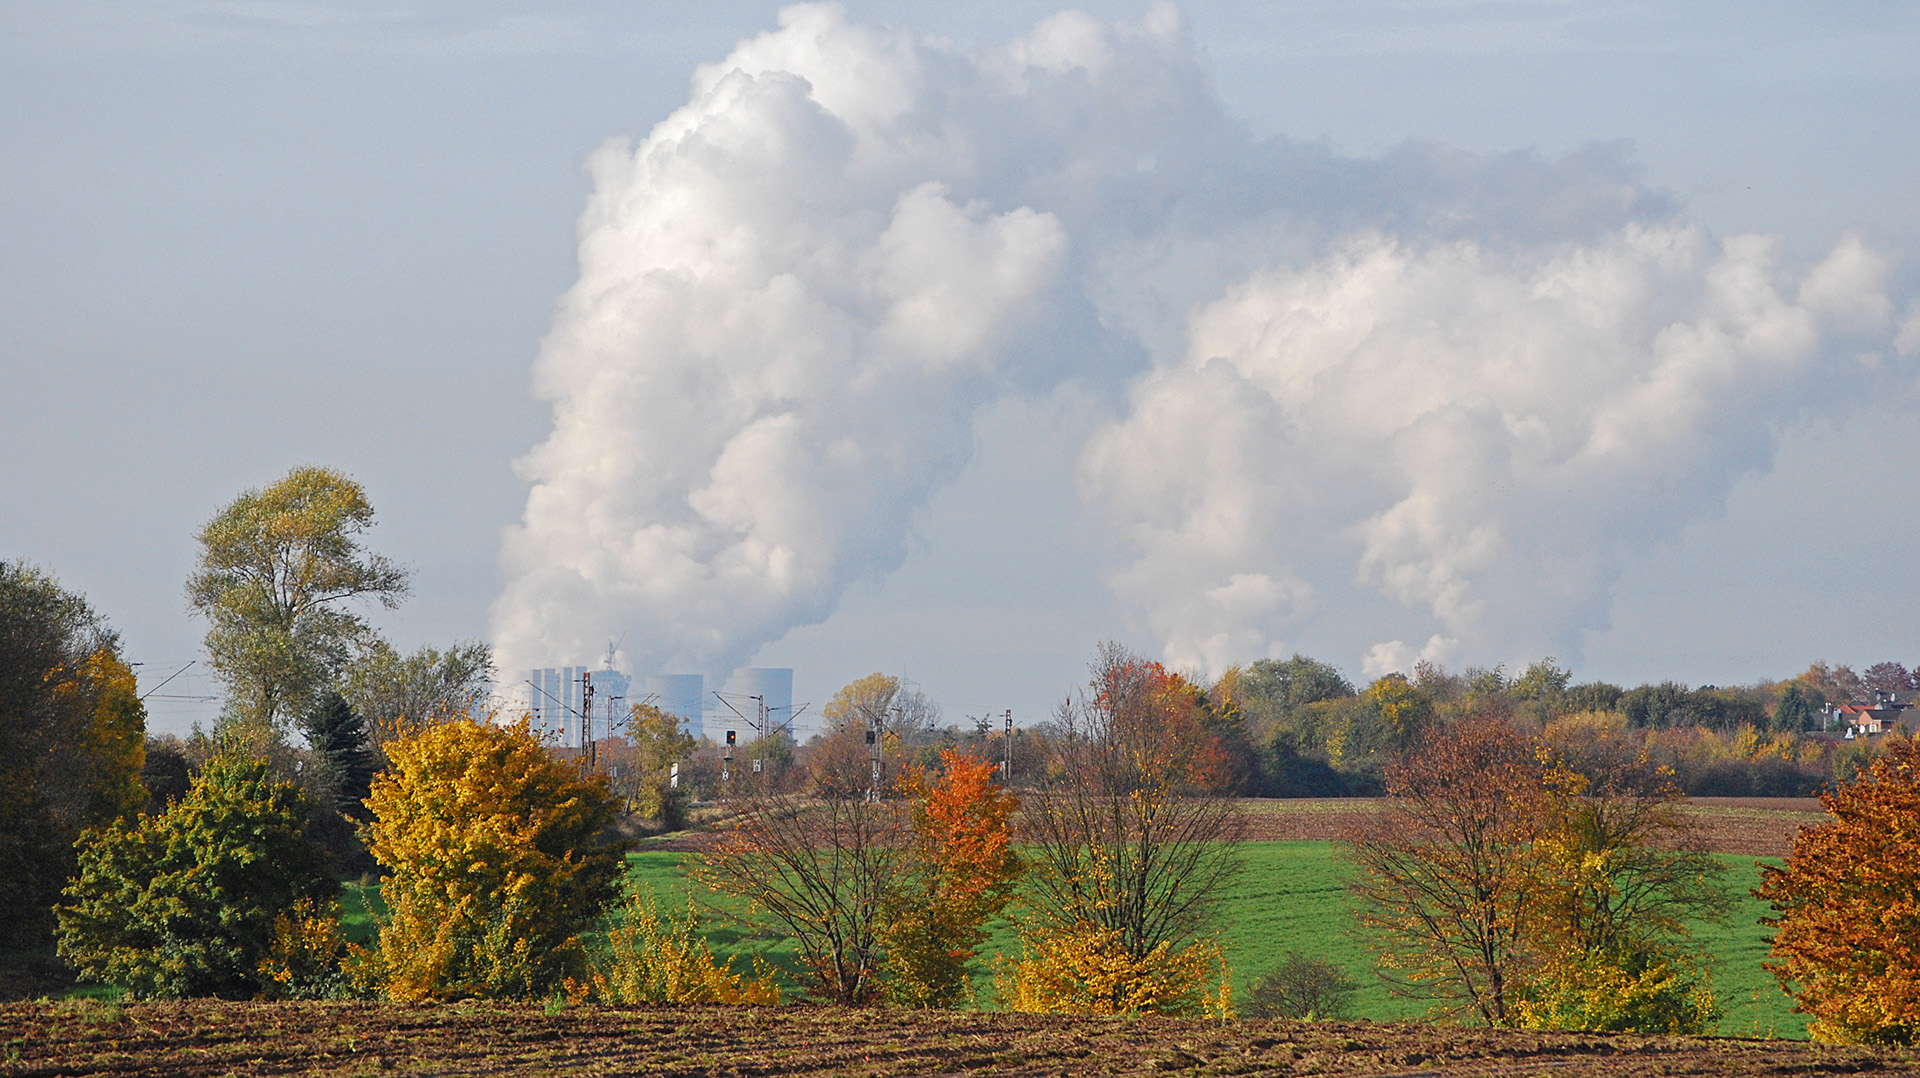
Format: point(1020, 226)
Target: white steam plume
point(1483, 435)
point(1470, 384)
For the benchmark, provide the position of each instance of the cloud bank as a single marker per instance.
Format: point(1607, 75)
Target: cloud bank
point(1472, 387)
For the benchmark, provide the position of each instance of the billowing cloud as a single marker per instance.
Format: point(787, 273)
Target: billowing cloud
point(1482, 435)
point(1469, 386)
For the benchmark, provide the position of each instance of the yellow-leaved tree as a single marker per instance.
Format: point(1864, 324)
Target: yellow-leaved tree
point(498, 857)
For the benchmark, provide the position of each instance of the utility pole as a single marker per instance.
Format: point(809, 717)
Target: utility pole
point(586, 715)
point(1006, 769)
point(876, 726)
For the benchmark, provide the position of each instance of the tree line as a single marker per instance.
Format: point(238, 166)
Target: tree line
point(1531, 866)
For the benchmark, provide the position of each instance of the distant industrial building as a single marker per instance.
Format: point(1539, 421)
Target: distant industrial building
point(750, 686)
point(683, 696)
point(555, 697)
point(554, 700)
point(553, 703)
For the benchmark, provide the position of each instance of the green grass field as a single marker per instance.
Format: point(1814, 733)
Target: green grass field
point(1293, 897)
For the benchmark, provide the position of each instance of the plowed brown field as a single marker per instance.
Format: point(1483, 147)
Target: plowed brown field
point(212, 1038)
point(1755, 826)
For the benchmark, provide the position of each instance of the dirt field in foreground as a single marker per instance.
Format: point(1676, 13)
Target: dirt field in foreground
point(212, 1038)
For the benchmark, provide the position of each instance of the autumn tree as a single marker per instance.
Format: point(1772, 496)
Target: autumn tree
point(72, 743)
point(185, 903)
point(498, 858)
point(1836, 684)
point(895, 712)
point(1847, 907)
point(278, 572)
point(392, 692)
point(1625, 878)
point(1450, 875)
point(819, 871)
point(961, 870)
point(1544, 882)
point(1128, 854)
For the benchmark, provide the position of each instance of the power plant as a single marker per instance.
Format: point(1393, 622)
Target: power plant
point(756, 700)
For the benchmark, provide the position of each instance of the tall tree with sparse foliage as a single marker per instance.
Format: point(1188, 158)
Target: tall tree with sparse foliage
point(279, 571)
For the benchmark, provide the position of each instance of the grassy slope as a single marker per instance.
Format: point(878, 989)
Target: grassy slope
point(1293, 896)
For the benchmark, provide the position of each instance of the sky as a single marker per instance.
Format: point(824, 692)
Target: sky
point(994, 336)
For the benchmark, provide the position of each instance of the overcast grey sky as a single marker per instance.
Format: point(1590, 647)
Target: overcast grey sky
point(245, 236)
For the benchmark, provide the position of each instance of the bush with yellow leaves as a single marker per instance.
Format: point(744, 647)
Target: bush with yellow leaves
point(656, 958)
point(498, 857)
point(1639, 991)
point(1086, 969)
point(307, 957)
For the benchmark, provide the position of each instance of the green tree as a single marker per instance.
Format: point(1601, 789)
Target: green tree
point(277, 571)
point(658, 742)
point(498, 857)
point(184, 904)
point(1544, 685)
point(1799, 709)
point(342, 752)
point(391, 691)
point(72, 743)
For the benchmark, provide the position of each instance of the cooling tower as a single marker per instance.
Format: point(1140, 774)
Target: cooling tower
point(683, 695)
point(773, 683)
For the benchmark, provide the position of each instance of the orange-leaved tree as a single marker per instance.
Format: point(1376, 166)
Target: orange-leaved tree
point(1847, 907)
point(498, 858)
point(962, 869)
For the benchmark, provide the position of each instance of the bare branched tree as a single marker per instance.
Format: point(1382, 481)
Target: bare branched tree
point(821, 869)
point(1451, 874)
point(1119, 834)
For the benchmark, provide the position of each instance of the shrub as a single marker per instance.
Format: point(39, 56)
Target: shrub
point(498, 858)
point(652, 958)
point(307, 957)
point(821, 871)
point(1302, 987)
point(185, 903)
point(1611, 992)
point(1089, 970)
